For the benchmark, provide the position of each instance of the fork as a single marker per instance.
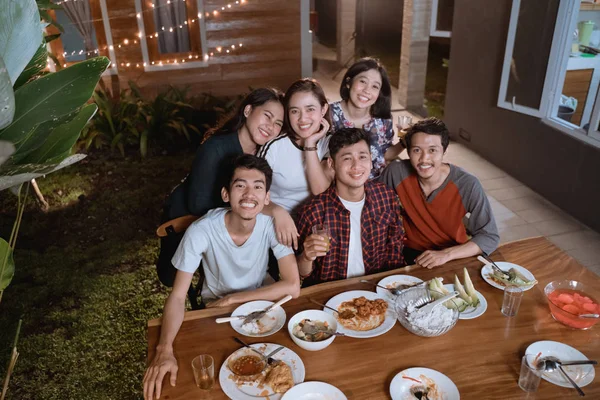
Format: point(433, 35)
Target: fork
point(484, 258)
point(270, 359)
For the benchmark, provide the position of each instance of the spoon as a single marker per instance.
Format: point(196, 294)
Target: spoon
point(311, 330)
point(346, 314)
point(269, 358)
point(427, 308)
point(589, 316)
point(551, 363)
point(395, 291)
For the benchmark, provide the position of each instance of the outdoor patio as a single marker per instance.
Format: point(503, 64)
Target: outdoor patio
point(520, 212)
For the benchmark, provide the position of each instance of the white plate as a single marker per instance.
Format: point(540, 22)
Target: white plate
point(471, 312)
point(273, 320)
point(250, 391)
point(582, 374)
point(400, 387)
point(505, 266)
point(395, 280)
point(314, 391)
point(388, 323)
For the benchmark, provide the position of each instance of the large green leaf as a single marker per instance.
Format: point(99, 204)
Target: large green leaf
point(52, 96)
point(61, 139)
point(36, 138)
point(35, 66)
point(6, 149)
point(8, 272)
point(20, 34)
point(13, 175)
point(7, 97)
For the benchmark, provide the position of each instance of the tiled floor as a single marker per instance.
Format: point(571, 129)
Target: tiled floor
point(519, 211)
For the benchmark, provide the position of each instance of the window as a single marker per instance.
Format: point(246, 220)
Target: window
point(549, 68)
point(85, 35)
point(172, 33)
point(442, 13)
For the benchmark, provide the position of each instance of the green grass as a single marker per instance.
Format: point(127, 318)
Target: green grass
point(85, 282)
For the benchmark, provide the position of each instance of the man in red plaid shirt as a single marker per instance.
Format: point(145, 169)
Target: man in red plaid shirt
point(364, 219)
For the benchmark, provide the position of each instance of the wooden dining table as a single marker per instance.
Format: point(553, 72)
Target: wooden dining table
point(482, 356)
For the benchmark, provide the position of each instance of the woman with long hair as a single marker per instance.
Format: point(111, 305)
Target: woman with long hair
point(366, 103)
point(258, 119)
point(296, 156)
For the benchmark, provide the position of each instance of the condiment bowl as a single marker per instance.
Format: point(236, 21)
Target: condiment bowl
point(243, 352)
point(420, 296)
point(560, 309)
point(314, 315)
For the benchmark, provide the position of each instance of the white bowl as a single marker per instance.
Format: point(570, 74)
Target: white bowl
point(315, 315)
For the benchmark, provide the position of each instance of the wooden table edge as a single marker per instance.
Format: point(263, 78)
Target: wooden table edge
point(213, 312)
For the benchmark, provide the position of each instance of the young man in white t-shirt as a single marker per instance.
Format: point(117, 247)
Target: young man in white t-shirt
point(233, 246)
point(363, 218)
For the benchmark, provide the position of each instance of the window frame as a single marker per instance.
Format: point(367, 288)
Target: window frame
point(433, 31)
point(566, 21)
point(105, 43)
point(112, 69)
point(146, 53)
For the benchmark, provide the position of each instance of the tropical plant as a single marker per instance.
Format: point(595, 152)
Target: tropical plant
point(173, 118)
point(165, 117)
point(116, 124)
point(41, 115)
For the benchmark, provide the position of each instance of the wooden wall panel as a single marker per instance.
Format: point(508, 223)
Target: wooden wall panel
point(270, 56)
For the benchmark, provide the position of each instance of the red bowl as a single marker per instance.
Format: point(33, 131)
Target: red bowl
point(570, 319)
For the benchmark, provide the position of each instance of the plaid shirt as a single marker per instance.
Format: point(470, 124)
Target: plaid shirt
point(381, 228)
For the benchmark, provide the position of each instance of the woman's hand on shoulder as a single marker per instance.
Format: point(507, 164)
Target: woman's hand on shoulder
point(285, 228)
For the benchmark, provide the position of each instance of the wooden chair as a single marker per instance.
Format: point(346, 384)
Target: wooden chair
point(175, 226)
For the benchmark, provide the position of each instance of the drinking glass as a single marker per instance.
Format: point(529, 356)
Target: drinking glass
point(531, 373)
point(404, 122)
point(512, 300)
point(323, 230)
point(204, 371)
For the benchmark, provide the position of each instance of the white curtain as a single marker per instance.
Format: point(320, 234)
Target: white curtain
point(171, 16)
point(80, 14)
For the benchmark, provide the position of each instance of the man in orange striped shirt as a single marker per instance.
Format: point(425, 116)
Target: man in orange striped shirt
point(446, 213)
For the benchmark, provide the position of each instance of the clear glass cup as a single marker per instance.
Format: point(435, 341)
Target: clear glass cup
point(204, 371)
point(404, 122)
point(323, 230)
point(512, 300)
point(531, 373)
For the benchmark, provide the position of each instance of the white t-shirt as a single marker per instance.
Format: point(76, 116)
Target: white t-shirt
point(227, 267)
point(290, 185)
point(356, 264)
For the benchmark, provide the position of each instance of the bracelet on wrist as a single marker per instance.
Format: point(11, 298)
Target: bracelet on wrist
point(314, 148)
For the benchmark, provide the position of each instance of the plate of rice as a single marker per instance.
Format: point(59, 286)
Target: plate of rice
point(267, 325)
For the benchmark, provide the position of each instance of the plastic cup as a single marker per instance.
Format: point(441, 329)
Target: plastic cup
point(531, 373)
point(512, 300)
point(204, 371)
point(323, 230)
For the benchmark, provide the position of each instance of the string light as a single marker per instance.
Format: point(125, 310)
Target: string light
point(152, 7)
point(163, 31)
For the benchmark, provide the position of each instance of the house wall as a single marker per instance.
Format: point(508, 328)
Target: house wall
point(379, 25)
point(271, 53)
point(561, 168)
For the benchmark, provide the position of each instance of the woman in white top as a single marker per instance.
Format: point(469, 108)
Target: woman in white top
point(296, 156)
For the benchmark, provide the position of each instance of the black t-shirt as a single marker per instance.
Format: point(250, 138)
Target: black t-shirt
point(201, 189)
